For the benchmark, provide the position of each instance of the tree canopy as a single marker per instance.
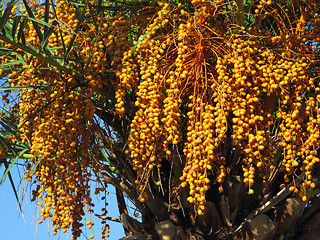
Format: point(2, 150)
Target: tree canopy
point(205, 113)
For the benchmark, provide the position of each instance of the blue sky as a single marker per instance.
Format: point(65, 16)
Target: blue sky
point(14, 226)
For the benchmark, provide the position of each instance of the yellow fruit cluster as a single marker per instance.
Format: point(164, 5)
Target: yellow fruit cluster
point(250, 124)
point(243, 86)
point(145, 141)
point(207, 108)
point(199, 150)
point(54, 119)
point(255, 75)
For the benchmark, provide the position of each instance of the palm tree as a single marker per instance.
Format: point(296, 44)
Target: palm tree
point(203, 113)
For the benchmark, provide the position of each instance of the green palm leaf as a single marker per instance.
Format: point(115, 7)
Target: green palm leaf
point(5, 16)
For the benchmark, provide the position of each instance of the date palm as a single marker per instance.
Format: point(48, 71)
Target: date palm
point(203, 113)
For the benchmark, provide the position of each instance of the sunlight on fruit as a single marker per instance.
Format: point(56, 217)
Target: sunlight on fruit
point(196, 87)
